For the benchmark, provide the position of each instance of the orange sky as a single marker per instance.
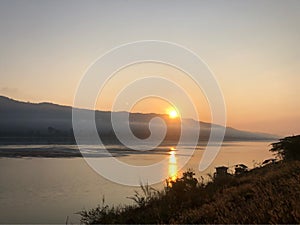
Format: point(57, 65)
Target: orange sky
point(252, 48)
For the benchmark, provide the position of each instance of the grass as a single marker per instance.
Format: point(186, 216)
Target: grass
point(269, 194)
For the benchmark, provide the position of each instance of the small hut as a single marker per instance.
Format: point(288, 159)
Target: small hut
point(221, 171)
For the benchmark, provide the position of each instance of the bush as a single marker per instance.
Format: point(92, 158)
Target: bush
point(270, 194)
point(287, 148)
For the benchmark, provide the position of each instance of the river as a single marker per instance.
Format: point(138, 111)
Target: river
point(50, 190)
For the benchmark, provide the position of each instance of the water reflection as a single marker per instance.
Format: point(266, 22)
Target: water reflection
point(172, 168)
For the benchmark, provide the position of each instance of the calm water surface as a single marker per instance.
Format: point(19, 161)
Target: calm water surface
point(47, 190)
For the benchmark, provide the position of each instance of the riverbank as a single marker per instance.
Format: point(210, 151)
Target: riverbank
point(269, 194)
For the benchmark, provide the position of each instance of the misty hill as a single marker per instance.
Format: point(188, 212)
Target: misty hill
point(21, 121)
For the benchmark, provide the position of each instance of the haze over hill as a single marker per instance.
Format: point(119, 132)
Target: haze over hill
point(35, 122)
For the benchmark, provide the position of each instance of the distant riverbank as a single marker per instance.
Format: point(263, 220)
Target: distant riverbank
point(69, 150)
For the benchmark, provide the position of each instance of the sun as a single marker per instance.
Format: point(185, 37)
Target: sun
point(172, 113)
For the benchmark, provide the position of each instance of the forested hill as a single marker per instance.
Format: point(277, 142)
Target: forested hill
point(44, 120)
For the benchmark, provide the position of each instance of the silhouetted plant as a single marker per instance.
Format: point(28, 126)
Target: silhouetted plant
point(287, 148)
point(102, 213)
point(267, 194)
point(148, 194)
point(185, 183)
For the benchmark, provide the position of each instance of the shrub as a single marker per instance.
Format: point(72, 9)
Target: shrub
point(287, 148)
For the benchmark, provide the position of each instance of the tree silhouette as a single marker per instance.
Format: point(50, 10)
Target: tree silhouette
point(287, 148)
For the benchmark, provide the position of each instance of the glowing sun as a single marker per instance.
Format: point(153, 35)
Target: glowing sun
point(172, 113)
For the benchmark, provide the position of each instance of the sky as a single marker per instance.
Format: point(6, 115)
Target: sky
point(252, 47)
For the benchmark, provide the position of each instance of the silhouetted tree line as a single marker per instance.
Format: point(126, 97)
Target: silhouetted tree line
point(287, 148)
point(50, 135)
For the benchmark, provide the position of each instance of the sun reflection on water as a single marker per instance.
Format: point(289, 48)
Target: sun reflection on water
point(172, 169)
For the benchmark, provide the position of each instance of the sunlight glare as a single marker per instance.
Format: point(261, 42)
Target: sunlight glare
point(173, 165)
point(172, 113)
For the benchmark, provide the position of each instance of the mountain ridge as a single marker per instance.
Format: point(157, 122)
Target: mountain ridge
point(45, 119)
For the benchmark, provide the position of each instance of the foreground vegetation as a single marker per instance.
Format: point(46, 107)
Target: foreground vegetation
point(268, 194)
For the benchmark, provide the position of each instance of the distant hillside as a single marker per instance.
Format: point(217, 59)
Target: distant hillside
point(35, 122)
